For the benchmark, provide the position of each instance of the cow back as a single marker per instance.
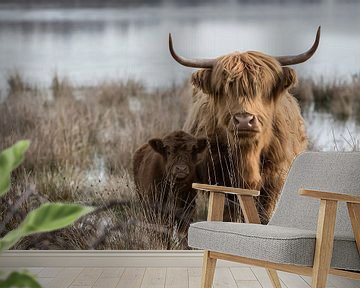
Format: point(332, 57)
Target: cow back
point(148, 167)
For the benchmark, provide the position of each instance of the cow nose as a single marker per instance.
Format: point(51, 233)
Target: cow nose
point(181, 170)
point(245, 121)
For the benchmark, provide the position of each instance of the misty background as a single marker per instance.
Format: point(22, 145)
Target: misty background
point(89, 42)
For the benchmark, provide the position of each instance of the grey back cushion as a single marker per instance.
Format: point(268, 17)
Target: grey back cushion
point(326, 171)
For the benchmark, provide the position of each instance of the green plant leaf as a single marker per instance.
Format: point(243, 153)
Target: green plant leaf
point(11, 158)
point(48, 217)
point(19, 279)
point(18, 151)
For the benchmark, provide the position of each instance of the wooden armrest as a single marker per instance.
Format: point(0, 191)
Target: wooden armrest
point(226, 190)
point(217, 198)
point(327, 219)
point(330, 196)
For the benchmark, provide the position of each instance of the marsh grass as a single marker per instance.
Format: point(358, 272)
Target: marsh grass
point(82, 142)
point(339, 97)
point(17, 85)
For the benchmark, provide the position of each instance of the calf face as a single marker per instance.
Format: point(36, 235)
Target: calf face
point(180, 153)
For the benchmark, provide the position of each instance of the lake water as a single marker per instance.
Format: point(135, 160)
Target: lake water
point(92, 45)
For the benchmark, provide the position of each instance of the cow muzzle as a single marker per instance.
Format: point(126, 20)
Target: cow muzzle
point(245, 123)
point(181, 171)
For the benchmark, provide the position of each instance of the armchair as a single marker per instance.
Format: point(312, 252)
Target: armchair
point(302, 236)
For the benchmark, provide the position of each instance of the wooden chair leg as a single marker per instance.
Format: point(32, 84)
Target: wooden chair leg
point(215, 213)
point(208, 270)
point(354, 212)
point(274, 278)
point(324, 243)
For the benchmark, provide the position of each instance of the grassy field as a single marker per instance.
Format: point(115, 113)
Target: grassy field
point(339, 97)
point(82, 141)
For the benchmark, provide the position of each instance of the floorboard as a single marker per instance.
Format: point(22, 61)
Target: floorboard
point(156, 271)
point(132, 278)
point(167, 277)
point(177, 277)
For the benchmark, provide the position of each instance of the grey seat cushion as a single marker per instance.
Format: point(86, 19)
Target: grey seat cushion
point(270, 243)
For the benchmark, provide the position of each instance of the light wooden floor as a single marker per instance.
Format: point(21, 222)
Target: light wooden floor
point(143, 269)
point(166, 277)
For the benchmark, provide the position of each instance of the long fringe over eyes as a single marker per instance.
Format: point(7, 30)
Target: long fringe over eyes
point(247, 74)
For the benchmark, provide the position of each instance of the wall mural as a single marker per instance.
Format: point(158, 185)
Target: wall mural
point(123, 117)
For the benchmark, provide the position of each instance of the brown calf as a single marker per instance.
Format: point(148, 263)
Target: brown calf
point(165, 168)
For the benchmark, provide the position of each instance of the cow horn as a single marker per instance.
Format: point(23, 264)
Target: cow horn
point(194, 63)
point(291, 60)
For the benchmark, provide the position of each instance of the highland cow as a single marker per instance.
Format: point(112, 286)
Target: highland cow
point(166, 168)
point(241, 102)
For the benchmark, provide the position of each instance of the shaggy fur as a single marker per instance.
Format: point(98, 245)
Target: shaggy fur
point(254, 83)
point(164, 170)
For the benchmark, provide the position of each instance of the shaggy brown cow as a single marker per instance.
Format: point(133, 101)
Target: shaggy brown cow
point(241, 102)
point(167, 167)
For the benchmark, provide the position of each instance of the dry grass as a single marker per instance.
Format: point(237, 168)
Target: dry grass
point(82, 142)
point(340, 98)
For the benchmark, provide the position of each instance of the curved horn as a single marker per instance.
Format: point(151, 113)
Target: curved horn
point(291, 60)
point(194, 63)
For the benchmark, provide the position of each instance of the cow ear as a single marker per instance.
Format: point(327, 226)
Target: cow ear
point(201, 145)
point(289, 78)
point(201, 79)
point(158, 145)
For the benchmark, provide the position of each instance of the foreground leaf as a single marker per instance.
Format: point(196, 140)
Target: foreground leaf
point(19, 279)
point(11, 158)
point(48, 217)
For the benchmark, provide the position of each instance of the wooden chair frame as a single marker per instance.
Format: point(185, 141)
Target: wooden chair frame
point(324, 235)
